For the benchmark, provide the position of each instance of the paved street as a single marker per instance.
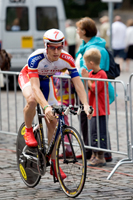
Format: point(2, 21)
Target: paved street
point(97, 187)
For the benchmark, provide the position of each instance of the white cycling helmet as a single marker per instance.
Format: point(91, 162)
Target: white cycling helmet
point(53, 36)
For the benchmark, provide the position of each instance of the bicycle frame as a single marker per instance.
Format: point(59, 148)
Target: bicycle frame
point(58, 130)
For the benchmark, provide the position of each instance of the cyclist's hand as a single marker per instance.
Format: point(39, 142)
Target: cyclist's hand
point(87, 109)
point(49, 114)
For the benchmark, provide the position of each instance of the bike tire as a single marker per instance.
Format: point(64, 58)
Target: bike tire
point(25, 167)
point(73, 184)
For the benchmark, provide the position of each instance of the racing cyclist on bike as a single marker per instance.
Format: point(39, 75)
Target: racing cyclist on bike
point(36, 83)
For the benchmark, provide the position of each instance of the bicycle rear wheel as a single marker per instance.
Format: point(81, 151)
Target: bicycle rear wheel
point(27, 169)
point(74, 166)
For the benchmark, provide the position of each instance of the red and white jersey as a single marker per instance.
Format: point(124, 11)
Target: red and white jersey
point(40, 66)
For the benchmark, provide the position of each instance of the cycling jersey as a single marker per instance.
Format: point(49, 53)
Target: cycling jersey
point(39, 66)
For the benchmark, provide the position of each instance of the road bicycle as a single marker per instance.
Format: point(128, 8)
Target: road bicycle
point(32, 162)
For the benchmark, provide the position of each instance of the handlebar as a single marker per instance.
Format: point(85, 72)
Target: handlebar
point(75, 110)
point(91, 110)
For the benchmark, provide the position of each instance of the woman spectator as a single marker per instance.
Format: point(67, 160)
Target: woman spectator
point(87, 31)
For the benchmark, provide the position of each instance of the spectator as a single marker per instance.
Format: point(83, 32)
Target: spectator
point(15, 26)
point(129, 42)
point(118, 39)
point(5, 60)
point(87, 31)
point(92, 60)
point(64, 101)
point(5, 64)
point(105, 29)
point(71, 37)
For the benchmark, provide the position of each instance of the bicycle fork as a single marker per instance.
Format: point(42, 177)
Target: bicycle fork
point(63, 147)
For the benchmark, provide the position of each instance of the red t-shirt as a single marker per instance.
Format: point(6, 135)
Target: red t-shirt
point(101, 93)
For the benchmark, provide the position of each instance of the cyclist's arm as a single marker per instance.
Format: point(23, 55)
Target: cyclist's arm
point(35, 85)
point(79, 87)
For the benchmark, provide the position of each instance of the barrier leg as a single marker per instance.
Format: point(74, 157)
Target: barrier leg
point(123, 161)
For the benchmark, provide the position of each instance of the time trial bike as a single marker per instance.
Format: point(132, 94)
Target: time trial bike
point(32, 162)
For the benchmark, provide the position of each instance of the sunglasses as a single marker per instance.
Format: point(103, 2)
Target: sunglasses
point(55, 47)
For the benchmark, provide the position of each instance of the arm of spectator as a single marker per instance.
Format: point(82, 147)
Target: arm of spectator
point(85, 73)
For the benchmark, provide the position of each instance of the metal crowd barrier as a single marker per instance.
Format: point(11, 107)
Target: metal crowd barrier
point(118, 120)
point(12, 104)
point(129, 159)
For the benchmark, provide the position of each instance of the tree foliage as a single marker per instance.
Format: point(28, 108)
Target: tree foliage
point(92, 8)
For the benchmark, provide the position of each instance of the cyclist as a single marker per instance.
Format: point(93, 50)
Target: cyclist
point(36, 83)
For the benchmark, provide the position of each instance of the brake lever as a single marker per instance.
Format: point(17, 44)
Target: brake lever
point(53, 111)
point(67, 111)
point(91, 110)
point(79, 111)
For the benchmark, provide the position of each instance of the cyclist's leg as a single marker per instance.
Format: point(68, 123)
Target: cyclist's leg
point(51, 127)
point(29, 110)
point(68, 148)
point(29, 113)
point(50, 96)
point(25, 86)
point(48, 91)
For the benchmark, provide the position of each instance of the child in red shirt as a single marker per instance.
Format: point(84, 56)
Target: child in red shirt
point(92, 60)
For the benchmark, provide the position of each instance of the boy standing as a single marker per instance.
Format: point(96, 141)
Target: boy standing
point(92, 60)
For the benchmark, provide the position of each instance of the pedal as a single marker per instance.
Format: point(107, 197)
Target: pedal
point(41, 163)
point(22, 159)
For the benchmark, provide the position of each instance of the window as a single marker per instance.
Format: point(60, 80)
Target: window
point(17, 19)
point(46, 18)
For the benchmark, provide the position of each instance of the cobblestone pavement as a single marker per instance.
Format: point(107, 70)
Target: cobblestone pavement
point(97, 187)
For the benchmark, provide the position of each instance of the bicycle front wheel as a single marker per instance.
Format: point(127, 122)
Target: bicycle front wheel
point(27, 169)
point(74, 166)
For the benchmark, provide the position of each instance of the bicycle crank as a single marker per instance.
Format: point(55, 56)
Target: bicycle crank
point(41, 163)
